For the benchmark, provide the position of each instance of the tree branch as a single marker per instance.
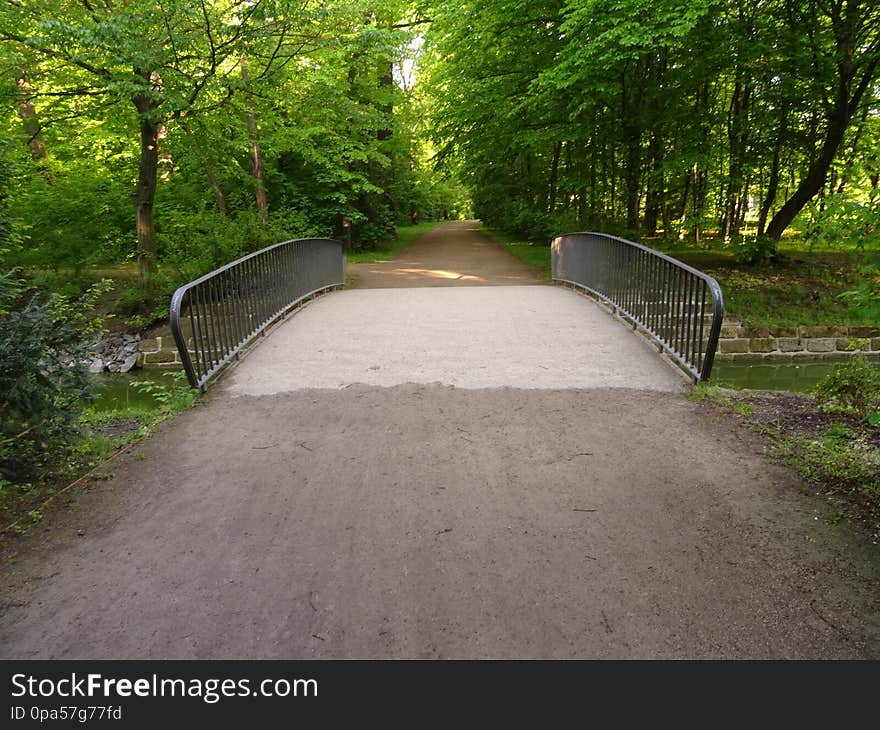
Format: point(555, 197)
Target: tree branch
point(97, 71)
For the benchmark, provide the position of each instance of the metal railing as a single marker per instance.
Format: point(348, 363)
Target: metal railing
point(214, 317)
point(677, 306)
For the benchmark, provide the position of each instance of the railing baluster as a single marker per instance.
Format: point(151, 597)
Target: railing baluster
point(195, 337)
point(663, 296)
point(226, 308)
point(230, 306)
point(216, 318)
point(667, 300)
point(212, 323)
point(692, 327)
point(699, 361)
point(681, 277)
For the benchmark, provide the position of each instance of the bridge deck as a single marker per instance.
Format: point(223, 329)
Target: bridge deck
point(472, 337)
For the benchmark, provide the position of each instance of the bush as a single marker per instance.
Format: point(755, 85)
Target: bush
point(754, 250)
point(79, 220)
point(853, 386)
point(44, 383)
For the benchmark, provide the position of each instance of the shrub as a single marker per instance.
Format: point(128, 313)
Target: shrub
point(853, 386)
point(44, 384)
point(753, 249)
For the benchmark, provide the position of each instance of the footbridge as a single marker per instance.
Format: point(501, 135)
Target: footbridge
point(453, 309)
point(448, 458)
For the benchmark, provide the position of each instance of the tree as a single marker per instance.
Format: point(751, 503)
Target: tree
point(170, 62)
point(843, 42)
point(634, 116)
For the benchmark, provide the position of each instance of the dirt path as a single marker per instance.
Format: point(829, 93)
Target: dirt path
point(454, 254)
point(411, 473)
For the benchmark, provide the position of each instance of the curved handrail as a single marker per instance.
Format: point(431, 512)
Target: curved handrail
point(228, 307)
point(661, 295)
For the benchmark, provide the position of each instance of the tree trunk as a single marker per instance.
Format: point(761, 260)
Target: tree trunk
point(594, 185)
point(603, 159)
point(145, 193)
point(256, 152)
point(219, 197)
point(632, 100)
point(773, 182)
point(632, 180)
point(386, 84)
point(815, 178)
point(613, 175)
point(850, 161)
point(685, 191)
point(845, 25)
point(655, 193)
point(31, 124)
point(737, 123)
point(554, 177)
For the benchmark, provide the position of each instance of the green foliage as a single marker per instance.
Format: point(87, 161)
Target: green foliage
point(536, 255)
point(842, 458)
point(844, 223)
point(173, 396)
point(853, 386)
point(754, 249)
point(194, 243)
point(337, 140)
point(866, 298)
point(798, 288)
point(835, 461)
point(43, 380)
point(719, 396)
point(854, 224)
point(6, 171)
point(81, 219)
point(390, 247)
point(683, 118)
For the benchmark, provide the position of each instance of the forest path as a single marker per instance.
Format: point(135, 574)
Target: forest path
point(453, 254)
point(469, 472)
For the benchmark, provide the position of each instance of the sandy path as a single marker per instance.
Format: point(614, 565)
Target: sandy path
point(454, 254)
point(427, 521)
point(337, 496)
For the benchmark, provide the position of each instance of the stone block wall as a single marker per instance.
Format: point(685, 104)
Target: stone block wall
point(738, 342)
point(160, 352)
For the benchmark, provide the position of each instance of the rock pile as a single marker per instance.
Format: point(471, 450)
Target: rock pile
point(116, 353)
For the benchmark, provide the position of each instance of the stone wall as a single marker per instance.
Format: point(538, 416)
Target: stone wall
point(739, 342)
point(159, 352)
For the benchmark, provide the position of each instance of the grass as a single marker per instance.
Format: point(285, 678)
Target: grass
point(802, 288)
point(105, 433)
point(703, 391)
point(389, 248)
point(831, 445)
point(535, 255)
point(842, 463)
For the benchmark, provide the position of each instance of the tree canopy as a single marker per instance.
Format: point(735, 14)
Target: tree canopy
point(182, 134)
point(187, 133)
point(671, 116)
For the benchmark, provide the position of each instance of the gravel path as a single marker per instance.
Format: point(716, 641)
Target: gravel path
point(454, 254)
point(366, 501)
